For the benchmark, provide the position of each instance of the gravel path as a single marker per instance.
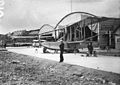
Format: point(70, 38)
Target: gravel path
point(105, 63)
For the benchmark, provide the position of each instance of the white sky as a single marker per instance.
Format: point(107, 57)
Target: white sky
point(32, 14)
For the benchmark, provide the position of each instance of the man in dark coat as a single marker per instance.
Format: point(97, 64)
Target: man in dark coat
point(61, 51)
point(90, 48)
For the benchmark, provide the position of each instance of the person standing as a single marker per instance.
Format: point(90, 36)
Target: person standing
point(61, 51)
point(5, 45)
point(90, 48)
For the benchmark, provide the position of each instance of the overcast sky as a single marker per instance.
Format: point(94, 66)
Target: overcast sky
point(32, 14)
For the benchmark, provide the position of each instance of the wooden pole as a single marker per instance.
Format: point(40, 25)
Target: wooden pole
point(84, 30)
point(109, 37)
point(70, 33)
point(91, 31)
point(55, 36)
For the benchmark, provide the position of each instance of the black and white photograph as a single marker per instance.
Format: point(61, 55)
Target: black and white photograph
point(59, 42)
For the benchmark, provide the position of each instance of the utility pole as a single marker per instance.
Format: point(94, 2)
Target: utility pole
point(119, 10)
point(71, 5)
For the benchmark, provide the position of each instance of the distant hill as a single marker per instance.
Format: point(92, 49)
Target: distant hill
point(1, 36)
point(4, 38)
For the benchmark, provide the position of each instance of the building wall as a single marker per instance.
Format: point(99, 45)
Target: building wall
point(118, 31)
point(117, 39)
point(105, 27)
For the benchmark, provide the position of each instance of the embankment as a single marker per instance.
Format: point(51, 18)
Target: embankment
point(18, 69)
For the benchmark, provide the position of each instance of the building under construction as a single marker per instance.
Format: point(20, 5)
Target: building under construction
point(105, 32)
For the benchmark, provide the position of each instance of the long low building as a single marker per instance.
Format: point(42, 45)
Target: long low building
point(19, 38)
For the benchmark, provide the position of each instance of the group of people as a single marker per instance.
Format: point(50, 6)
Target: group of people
point(89, 46)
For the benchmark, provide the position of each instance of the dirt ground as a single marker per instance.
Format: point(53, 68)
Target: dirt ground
point(18, 69)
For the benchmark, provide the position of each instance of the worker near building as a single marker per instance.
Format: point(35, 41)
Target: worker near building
point(61, 51)
point(90, 48)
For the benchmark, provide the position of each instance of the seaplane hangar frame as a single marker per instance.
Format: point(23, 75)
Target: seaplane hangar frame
point(75, 35)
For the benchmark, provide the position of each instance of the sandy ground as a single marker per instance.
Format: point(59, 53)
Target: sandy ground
point(105, 63)
point(19, 69)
